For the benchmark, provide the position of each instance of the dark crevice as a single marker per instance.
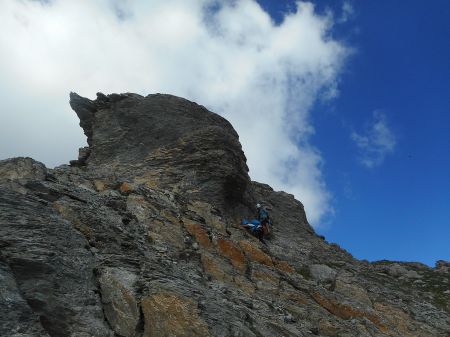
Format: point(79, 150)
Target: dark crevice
point(140, 326)
point(98, 292)
point(37, 307)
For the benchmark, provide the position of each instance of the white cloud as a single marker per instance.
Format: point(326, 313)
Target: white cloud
point(376, 142)
point(227, 55)
point(348, 12)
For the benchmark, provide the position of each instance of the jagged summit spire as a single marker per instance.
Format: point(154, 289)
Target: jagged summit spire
point(142, 137)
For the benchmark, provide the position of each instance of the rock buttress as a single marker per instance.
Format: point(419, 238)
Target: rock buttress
point(164, 141)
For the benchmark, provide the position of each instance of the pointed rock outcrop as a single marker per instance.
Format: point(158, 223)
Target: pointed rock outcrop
point(163, 141)
point(140, 237)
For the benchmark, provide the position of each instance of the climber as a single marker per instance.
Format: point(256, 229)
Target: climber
point(263, 216)
point(255, 228)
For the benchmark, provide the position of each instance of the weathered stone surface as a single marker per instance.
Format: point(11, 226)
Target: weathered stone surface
point(17, 318)
point(209, 215)
point(443, 266)
point(397, 270)
point(51, 266)
point(265, 279)
point(169, 315)
point(217, 269)
point(401, 323)
point(200, 234)
point(254, 253)
point(353, 292)
point(21, 169)
point(322, 273)
point(119, 302)
point(167, 230)
point(140, 236)
point(412, 274)
point(136, 137)
point(326, 328)
point(284, 266)
point(244, 284)
point(230, 250)
point(346, 311)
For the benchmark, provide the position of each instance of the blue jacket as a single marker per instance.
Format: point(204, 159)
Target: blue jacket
point(254, 225)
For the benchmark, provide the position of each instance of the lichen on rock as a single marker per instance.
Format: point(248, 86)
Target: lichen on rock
point(140, 236)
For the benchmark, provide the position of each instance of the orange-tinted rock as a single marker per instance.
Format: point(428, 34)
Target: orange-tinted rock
point(149, 179)
point(234, 253)
point(326, 328)
point(244, 284)
point(284, 266)
point(215, 269)
point(345, 311)
point(265, 279)
point(400, 321)
point(125, 188)
point(353, 292)
point(255, 254)
point(119, 303)
point(140, 208)
point(70, 215)
point(100, 186)
point(170, 216)
point(167, 314)
point(200, 234)
point(167, 232)
point(295, 296)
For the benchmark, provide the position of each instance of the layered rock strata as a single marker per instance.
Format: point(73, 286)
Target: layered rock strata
point(140, 237)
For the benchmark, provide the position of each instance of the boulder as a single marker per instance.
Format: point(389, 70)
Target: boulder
point(397, 270)
point(322, 273)
point(119, 302)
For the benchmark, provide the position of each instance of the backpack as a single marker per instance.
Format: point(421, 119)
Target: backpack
point(266, 228)
point(265, 221)
point(263, 214)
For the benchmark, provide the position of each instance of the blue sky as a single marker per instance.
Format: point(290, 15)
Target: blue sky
point(354, 96)
point(399, 209)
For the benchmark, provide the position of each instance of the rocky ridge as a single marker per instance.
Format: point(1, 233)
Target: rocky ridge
point(140, 236)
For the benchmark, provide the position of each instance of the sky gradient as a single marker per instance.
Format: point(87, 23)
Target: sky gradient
point(354, 95)
point(399, 209)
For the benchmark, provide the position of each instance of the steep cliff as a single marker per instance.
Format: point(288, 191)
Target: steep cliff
point(140, 237)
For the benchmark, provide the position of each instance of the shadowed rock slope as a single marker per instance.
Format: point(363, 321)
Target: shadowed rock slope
point(140, 237)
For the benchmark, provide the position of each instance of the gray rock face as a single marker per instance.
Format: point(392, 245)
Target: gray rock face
point(22, 170)
point(50, 263)
point(140, 237)
point(322, 273)
point(160, 140)
point(119, 302)
point(17, 316)
point(443, 266)
point(397, 270)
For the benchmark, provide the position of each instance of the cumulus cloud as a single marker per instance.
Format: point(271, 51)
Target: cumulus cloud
point(227, 55)
point(376, 142)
